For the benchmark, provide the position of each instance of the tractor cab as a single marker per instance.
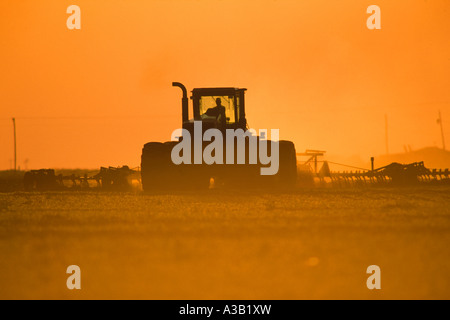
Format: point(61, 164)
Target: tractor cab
point(225, 106)
point(221, 108)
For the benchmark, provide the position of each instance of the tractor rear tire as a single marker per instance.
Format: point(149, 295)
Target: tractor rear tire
point(287, 171)
point(159, 173)
point(155, 167)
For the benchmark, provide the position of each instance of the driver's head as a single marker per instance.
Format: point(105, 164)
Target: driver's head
point(218, 101)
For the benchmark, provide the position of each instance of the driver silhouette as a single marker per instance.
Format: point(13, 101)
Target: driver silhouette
point(217, 112)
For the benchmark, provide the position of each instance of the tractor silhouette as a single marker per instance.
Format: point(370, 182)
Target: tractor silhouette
point(220, 108)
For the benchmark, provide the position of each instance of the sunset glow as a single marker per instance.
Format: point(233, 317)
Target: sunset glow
point(92, 97)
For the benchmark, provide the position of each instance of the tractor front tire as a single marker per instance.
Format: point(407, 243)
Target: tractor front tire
point(159, 173)
point(156, 165)
point(287, 171)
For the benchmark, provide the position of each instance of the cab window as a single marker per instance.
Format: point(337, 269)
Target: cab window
point(206, 102)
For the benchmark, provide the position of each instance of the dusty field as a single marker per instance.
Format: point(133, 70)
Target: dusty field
point(313, 243)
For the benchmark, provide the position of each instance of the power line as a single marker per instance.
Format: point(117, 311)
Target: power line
point(90, 117)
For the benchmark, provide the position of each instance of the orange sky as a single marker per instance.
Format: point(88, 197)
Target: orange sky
point(92, 97)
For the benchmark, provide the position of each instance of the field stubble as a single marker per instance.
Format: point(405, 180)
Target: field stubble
point(308, 244)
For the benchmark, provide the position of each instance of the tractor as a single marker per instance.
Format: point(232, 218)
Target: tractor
point(221, 108)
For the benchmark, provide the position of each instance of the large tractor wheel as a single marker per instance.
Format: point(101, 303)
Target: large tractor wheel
point(159, 173)
point(156, 166)
point(286, 177)
point(287, 171)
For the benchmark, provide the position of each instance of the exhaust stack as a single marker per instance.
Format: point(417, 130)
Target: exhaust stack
point(184, 101)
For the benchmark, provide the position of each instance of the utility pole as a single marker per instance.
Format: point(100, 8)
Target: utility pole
point(386, 132)
point(442, 130)
point(15, 145)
